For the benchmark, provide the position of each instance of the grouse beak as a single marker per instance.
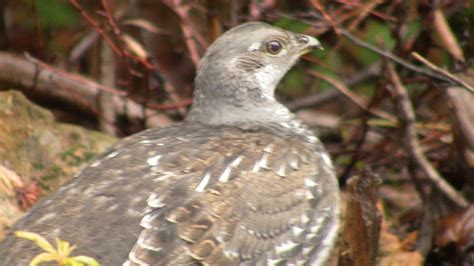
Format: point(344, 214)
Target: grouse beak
point(308, 44)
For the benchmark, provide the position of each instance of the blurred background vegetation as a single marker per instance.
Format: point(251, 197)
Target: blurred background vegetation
point(391, 96)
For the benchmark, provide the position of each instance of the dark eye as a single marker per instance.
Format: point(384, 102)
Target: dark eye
point(273, 47)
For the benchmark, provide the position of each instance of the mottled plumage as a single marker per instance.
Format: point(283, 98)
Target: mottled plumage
point(241, 181)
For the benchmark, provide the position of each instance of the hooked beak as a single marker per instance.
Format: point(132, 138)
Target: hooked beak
point(308, 43)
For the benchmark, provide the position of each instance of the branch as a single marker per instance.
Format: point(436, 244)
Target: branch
point(182, 10)
point(407, 117)
point(427, 72)
point(73, 89)
point(441, 71)
point(328, 95)
point(354, 98)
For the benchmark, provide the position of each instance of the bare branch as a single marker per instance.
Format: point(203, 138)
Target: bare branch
point(442, 71)
point(73, 89)
point(384, 53)
point(407, 116)
point(356, 99)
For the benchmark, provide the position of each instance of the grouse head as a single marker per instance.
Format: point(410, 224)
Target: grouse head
point(237, 76)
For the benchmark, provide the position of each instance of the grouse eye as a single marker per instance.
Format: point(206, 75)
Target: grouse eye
point(273, 47)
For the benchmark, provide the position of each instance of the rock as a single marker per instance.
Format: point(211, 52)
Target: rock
point(37, 154)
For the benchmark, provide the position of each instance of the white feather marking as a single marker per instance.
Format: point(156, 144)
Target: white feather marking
point(319, 190)
point(327, 211)
point(231, 253)
point(309, 182)
point(152, 196)
point(307, 250)
point(204, 181)
point(304, 218)
point(265, 76)
point(285, 247)
point(326, 159)
point(96, 163)
point(285, 125)
point(112, 207)
point(256, 167)
point(309, 195)
point(46, 217)
point(224, 178)
point(297, 231)
point(226, 174)
point(274, 262)
point(237, 161)
point(312, 139)
point(154, 201)
point(301, 262)
point(146, 221)
point(282, 170)
point(309, 237)
point(294, 164)
point(251, 232)
point(164, 176)
point(254, 46)
point(268, 148)
point(145, 141)
point(133, 258)
point(328, 243)
point(252, 206)
point(141, 243)
point(262, 163)
point(133, 213)
point(153, 161)
point(304, 158)
point(113, 154)
point(315, 228)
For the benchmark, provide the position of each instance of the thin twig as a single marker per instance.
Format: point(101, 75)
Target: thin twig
point(96, 26)
point(328, 95)
point(356, 99)
point(327, 17)
point(182, 11)
point(427, 72)
point(407, 117)
point(441, 71)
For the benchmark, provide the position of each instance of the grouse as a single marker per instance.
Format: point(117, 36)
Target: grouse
point(240, 182)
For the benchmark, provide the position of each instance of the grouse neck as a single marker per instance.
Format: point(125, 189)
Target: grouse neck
point(252, 114)
point(224, 96)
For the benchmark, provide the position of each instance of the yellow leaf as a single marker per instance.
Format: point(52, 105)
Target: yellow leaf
point(43, 257)
point(71, 262)
point(86, 260)
point(64, 248)
point(39, 240)
point(134, 46)
point(141, 23)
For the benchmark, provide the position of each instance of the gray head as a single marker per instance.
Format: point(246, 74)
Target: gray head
point(237, 76)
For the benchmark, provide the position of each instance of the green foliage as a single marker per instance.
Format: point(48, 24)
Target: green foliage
point(60, 254)
point(55, 13)
point(77, 155)
point(291, 25)
point(413, 29)
point(294, 83)
point(377, 34)
point(332, 65)
point(52, 173)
